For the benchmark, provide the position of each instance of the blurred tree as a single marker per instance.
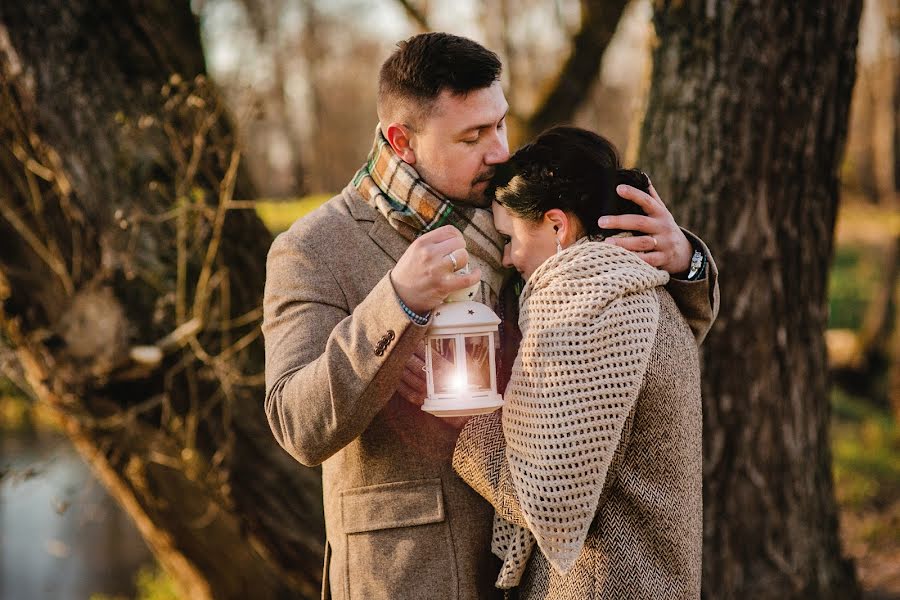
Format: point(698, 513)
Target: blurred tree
point(415, 14)
point(744, 132)
point(599, 19)
point(862, 360)
point(873, 358)
point(312, 86)
point(894, 25)
point(131, 284)
point(542, 90)
point(894, 348)
point(282, 135)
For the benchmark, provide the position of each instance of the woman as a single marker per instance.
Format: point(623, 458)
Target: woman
point(594, 464)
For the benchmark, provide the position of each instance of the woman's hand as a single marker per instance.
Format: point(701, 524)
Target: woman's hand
point(412, 386)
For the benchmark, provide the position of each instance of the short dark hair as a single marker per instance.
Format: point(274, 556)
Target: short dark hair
point(426, 64)
point(572, 169)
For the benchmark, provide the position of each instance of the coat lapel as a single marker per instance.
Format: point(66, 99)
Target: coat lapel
point(386, 237)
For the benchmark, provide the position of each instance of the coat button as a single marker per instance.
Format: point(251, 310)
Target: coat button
point(390, 334)
point(379, 351)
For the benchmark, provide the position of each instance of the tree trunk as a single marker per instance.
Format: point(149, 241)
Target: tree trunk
point(131, 287)
point(744, 132)
point(892, 8)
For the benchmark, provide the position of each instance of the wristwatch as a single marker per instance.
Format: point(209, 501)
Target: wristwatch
point(698, 266)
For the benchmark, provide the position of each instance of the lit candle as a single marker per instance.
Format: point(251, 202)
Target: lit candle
point(458, 382)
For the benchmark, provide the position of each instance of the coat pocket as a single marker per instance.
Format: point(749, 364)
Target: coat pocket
point(398, 541)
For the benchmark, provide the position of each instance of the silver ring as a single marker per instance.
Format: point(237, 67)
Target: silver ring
point(655, 242)
point(453, 260)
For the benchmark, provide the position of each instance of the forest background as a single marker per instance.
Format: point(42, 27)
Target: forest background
point(296, 80)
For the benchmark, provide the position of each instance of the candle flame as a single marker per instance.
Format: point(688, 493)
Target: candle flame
point(458, 382)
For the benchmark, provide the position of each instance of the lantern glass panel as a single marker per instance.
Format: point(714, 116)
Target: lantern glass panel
point(478, 363)
point(443, 365)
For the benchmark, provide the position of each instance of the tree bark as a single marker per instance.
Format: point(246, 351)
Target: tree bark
point(744, 133)
point(131, 286)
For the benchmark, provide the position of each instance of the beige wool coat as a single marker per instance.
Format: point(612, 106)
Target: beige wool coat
point(399, 521)
point(627, 441)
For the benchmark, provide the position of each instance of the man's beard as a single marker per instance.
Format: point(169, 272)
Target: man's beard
point(477, 198)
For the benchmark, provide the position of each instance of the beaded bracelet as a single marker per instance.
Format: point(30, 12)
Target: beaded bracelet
point(414, 317)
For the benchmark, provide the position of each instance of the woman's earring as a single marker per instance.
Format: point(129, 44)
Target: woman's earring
point(558, 246)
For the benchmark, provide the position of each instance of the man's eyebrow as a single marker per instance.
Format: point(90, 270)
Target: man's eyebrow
point(485, 125)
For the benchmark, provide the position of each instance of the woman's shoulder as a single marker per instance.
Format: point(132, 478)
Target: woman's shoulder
point(673, 330)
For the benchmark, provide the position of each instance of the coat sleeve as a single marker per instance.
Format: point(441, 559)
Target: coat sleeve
point(329, 368)
point(480, 460)
point(698, 301)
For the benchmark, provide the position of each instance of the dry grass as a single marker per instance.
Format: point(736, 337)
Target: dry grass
point(278, 215)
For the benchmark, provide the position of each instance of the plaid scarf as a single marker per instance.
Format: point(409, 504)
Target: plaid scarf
point(412, 207)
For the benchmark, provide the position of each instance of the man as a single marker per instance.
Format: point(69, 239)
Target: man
point(349, 290)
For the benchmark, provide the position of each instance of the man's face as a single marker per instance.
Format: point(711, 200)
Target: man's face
point(458, 145)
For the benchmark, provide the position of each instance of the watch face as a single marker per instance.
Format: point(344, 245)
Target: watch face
point(696, 265)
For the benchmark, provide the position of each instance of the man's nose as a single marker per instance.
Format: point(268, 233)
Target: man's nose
point(499, 151)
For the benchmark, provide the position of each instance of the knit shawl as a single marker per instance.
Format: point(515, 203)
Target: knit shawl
point(588, 319)
point(412, 207)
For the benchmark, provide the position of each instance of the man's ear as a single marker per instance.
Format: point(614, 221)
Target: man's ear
point(399, 137)
point(563, 225)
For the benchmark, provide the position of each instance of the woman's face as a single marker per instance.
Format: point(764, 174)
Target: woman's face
point(528, 243)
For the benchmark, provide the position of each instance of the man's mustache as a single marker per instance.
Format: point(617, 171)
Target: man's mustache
point(486, 176)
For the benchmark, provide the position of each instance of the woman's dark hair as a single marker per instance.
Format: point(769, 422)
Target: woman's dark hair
point(571, 169)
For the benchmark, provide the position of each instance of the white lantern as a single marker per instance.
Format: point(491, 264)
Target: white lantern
point(460, 363)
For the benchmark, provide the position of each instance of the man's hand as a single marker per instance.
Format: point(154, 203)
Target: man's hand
point(425, 274)
point(664, 246)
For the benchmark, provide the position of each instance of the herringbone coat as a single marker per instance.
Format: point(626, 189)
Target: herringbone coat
point(646, 538)
point(399, 522)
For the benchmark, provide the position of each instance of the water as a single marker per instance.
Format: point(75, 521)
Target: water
point(61, 536)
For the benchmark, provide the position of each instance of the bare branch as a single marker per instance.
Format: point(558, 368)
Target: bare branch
point(51, 258)
point(417, 16)
point(201, 296)
point(599, 20)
